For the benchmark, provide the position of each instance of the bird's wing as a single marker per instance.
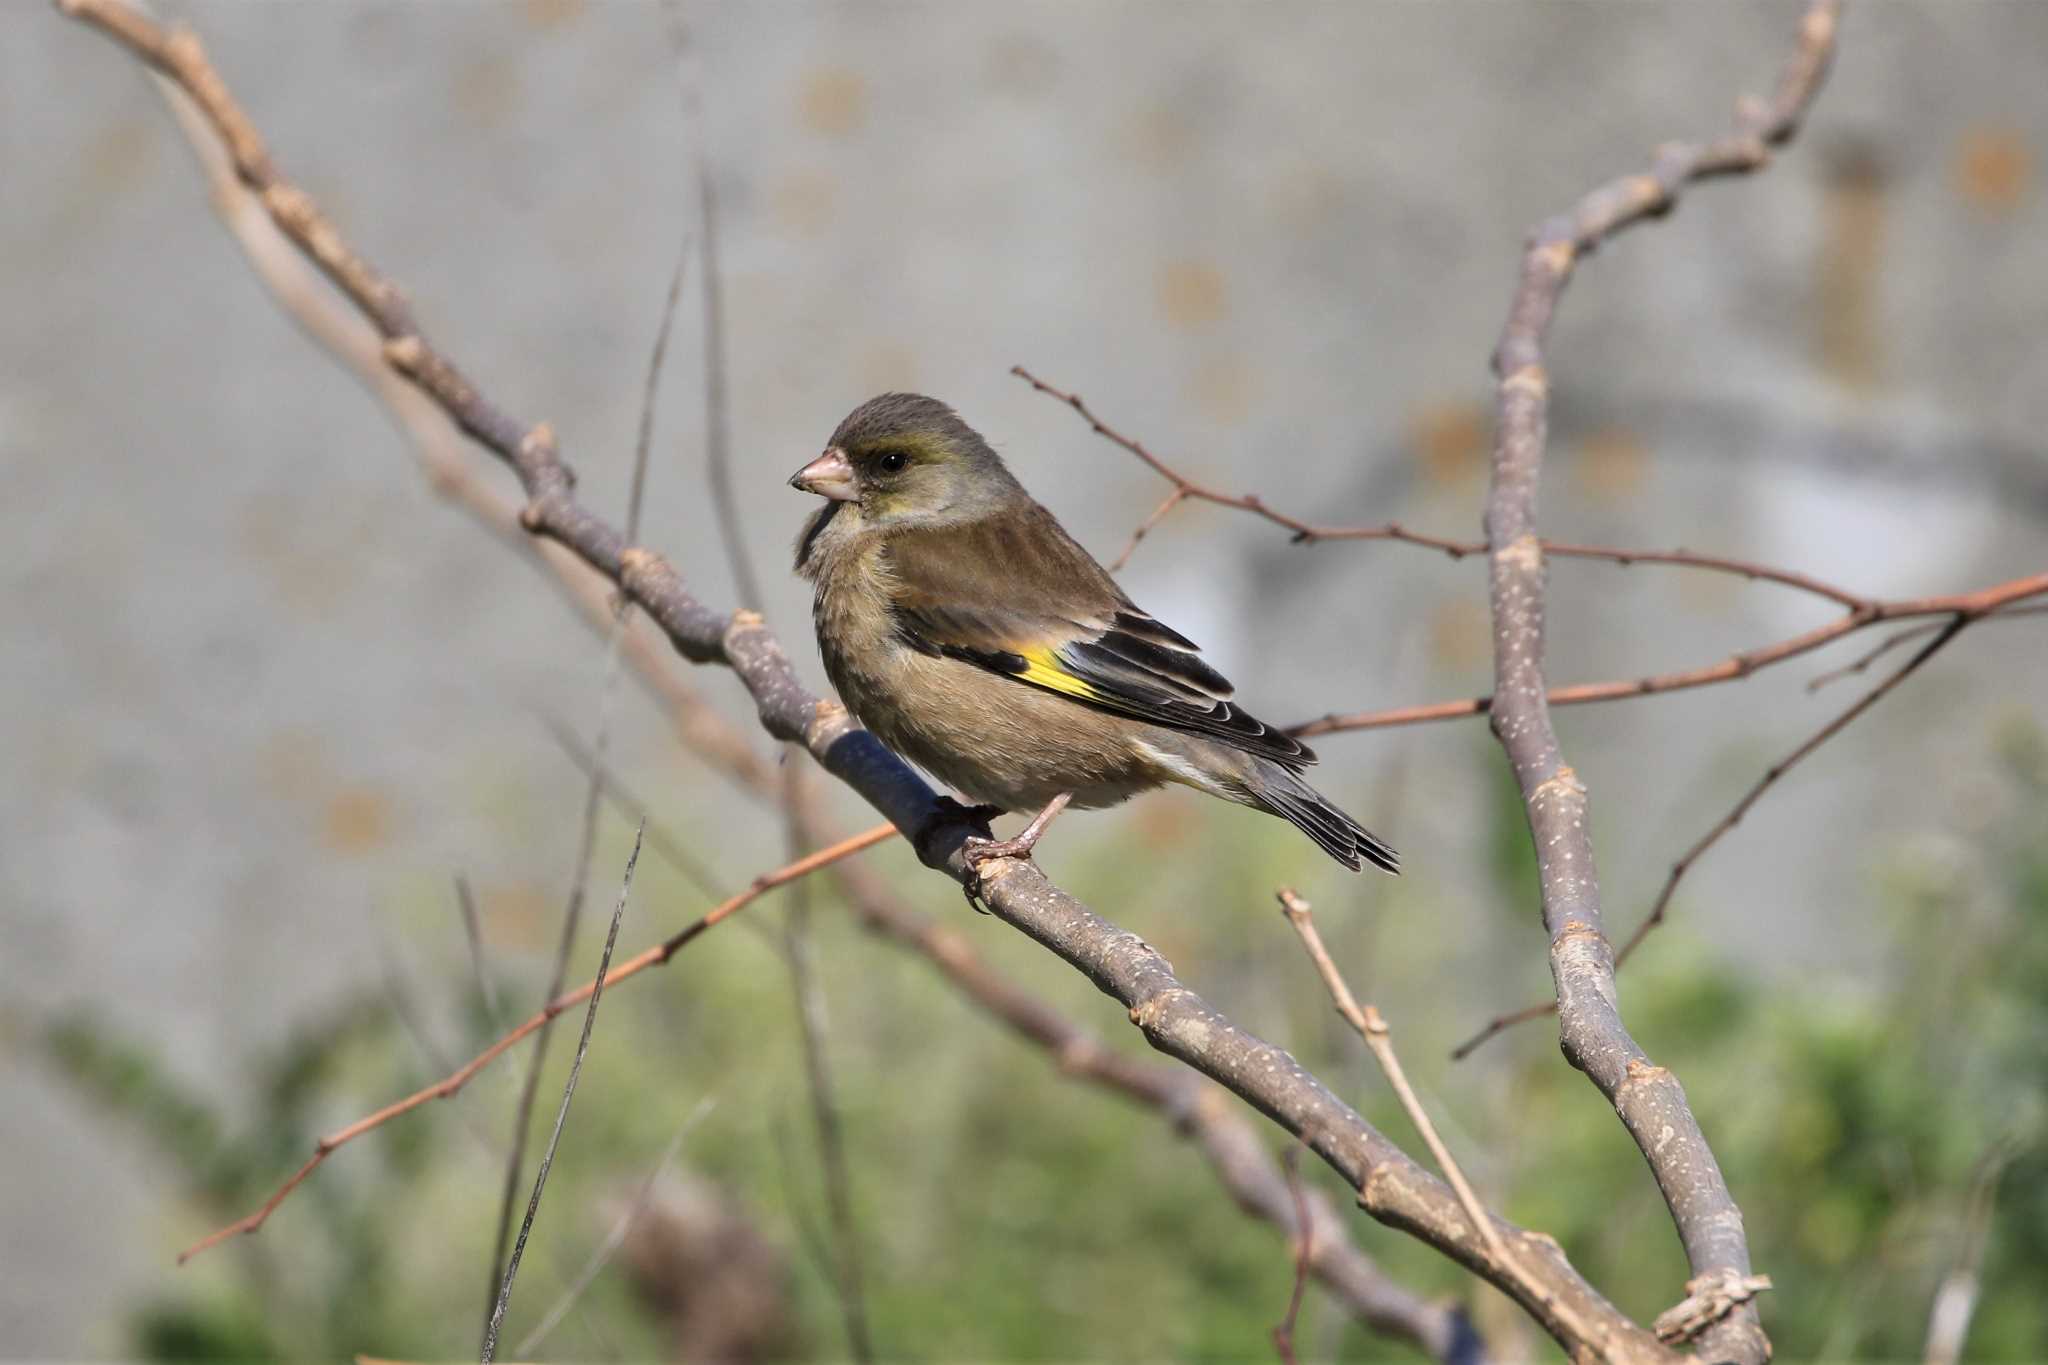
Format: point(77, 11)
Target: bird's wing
point(1015, 595)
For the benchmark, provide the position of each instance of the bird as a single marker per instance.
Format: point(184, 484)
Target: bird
point(963, 627)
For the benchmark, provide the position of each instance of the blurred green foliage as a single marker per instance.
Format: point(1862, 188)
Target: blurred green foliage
point(1009, 1213)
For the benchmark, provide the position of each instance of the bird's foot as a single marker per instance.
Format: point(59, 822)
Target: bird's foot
point(979, 851)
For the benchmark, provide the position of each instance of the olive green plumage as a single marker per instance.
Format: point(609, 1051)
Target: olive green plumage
point(965, 628)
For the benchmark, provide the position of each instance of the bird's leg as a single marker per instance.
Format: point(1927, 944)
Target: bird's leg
point(979, 851)
point(947, 811)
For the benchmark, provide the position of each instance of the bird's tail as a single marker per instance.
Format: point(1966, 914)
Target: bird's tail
point(1279, 791)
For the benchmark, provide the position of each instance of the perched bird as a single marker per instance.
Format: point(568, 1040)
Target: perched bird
point(976, 639)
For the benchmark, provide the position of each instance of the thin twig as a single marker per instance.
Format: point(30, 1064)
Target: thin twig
point(1304, 1252)
point(614, 1239)
point(448, 1085)
point(1726, 823)
point(547, 1157)
point(1890, 642)
point(1997, 599)
point(673, 850)
point(472, 931)
point(1185, 489)
point(713, 336)
point(1371, 1027)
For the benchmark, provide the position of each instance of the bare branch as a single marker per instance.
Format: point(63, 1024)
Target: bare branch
point(1306, 533)
point(1996, 599)
point(1371, 1027)
point(1232, 1146)
point(1647, 1097)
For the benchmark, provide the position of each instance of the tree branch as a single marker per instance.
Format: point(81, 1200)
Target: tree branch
point(1734, 668)
point(1186, 489)
point(1647, 1097)
point(1367, 1022)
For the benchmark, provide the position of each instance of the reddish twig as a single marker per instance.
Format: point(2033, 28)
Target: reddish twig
point(1982, 602)
point(1186, 489)
point(1726, 823)
point(450, 1084)
point(1304, 1249)
point(1893, 641)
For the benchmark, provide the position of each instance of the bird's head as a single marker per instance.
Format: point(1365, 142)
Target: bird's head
point(908, 460)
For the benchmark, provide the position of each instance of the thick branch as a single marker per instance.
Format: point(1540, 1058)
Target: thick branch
point(1646, 1096)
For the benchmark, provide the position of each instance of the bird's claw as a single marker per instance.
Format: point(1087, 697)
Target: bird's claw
point(978, 851)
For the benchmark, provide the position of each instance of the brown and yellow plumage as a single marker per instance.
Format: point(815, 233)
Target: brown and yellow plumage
point(968, 630)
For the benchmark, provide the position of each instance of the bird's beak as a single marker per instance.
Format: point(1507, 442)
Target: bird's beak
point(829, 476)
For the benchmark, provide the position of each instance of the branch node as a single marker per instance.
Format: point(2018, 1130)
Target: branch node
point(1709, 1298)
point(407, 355)
point(1530, 379)
point(539, 443)
point(1641, 1071)
point(1564, 782)
point(829, 719)
point(1524, 552)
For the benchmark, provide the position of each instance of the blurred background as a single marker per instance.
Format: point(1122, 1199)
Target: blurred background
point(267, 697)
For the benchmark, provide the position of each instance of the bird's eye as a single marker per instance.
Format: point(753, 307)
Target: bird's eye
point(892, 461)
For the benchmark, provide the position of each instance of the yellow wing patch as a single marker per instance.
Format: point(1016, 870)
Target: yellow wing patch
point(1043, 668)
